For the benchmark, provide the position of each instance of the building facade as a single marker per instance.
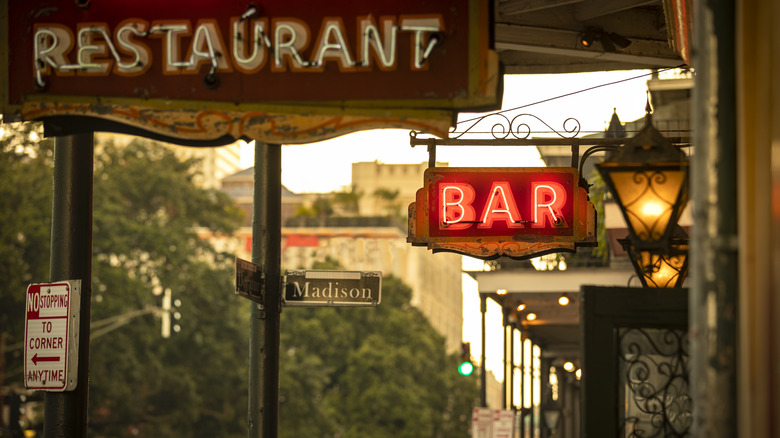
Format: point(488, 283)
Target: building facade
point(374, 240)
point(388, 189)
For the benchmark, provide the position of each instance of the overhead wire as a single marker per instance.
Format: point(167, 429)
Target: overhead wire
point(578, 92)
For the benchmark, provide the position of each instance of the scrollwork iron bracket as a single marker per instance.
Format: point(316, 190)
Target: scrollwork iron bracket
point(503, 130)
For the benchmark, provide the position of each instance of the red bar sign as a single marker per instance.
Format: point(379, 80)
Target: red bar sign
point(489, 212)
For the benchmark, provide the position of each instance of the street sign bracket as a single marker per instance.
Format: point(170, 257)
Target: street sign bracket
point(250, 282)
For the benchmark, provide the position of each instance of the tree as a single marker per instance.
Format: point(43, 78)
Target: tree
point(389, 199)
point(146, 214)
point(344, 372)
point(25, 216)
point(348, 200)
point(318, 213)
point(375, 372)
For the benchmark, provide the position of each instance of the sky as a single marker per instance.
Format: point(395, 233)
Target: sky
point(326, 166)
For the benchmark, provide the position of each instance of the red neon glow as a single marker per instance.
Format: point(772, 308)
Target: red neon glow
point(456, 210)
point(549, 198)
point(479, 203)
point(501, 207)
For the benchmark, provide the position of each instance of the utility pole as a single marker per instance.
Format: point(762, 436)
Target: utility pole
point(65, 413)
point(265, 322)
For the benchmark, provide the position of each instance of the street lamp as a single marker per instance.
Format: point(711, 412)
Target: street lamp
point(648, 177)
point(661, 269)
point(551, 414)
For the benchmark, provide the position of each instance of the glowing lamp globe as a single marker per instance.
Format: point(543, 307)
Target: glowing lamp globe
point(648, 177)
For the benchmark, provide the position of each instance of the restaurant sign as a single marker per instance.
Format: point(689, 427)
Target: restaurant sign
point(491, 212)
point(202, 70)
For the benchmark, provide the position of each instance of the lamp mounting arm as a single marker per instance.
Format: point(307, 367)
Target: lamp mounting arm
point(504, 129)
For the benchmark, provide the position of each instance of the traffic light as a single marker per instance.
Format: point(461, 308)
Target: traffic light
point(466, 367)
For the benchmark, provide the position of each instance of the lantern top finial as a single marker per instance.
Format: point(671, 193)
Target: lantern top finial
point(648, 146)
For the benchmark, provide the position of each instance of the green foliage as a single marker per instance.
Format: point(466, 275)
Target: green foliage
point(376, 372)
point(25, 216)
point(146, 218)
point(597, 193)
point(147, 212)
point(386, 194)
point(389, 199)
point(348, 200)
point(319, 212)
point(597, 256)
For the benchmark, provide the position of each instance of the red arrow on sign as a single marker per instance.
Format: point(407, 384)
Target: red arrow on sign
point(37, 359)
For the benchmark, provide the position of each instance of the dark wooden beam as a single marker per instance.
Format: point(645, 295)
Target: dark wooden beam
point(513, 7)
point(559, 42)
point(599, 8)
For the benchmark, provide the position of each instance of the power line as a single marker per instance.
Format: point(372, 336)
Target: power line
point(577, 92)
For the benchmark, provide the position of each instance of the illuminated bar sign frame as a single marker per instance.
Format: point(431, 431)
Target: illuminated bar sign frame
point(203, 69)
point(491, 212)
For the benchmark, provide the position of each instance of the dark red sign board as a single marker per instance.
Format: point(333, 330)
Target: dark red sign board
point(320, 57)
point(489, 212)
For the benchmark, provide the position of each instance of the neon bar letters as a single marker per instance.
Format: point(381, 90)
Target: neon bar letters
point(492, 212)
point(457, 211)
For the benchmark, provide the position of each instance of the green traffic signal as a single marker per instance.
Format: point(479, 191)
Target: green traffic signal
point(466, 368)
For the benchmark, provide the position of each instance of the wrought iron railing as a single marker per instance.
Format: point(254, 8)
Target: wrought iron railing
point(655, 398)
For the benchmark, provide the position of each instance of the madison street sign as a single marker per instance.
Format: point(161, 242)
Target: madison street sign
point(332, 288)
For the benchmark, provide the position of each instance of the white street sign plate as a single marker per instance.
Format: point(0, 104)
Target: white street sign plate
point(332, 288)
point(503, 424)
point(51, 336)
point(492, 423)
point(482, 423)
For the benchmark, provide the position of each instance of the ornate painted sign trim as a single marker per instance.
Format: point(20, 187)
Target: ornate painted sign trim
point(353, 65)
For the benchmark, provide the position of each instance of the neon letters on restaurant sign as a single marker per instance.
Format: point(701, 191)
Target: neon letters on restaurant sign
point(235, 64)
point(492, 212)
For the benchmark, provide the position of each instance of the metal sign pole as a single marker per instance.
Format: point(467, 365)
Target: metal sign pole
point(65, 413)
point(504, 324)
point(482, 365)
point(265, 317)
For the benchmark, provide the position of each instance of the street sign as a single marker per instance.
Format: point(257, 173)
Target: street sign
point(482, 423)
point(492, 423)
point(250, 281)
point(503, 424)
point(51, 338)
point(332, 288)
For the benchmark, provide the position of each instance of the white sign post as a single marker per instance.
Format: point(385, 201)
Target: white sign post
point(503, 424)
point(482, 423)
point(492, 423)
point(51, 340)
